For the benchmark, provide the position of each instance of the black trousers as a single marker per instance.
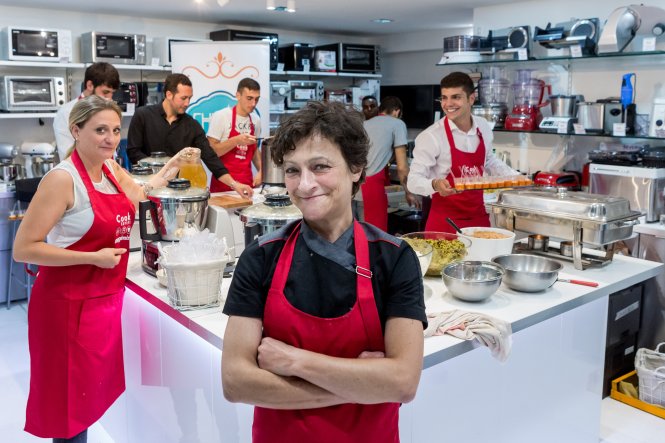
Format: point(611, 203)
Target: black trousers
point(80, 438)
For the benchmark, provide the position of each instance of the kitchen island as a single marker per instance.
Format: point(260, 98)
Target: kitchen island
point(549, 389)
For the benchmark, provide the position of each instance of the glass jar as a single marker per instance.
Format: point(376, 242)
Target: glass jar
point(191, 168)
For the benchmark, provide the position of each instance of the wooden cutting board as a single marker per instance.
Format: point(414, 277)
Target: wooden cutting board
point(229, 201)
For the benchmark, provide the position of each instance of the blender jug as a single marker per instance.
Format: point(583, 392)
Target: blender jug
point(530, 91)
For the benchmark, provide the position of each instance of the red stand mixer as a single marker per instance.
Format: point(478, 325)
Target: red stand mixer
point(529, 94)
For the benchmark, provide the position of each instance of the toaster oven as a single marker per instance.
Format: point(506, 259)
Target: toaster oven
point(126, 49)
point(20, 93)
point(36, 44)
point(302, 92)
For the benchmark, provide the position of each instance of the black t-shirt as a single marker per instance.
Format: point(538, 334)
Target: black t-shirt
point(149, 132)
point(325, 287)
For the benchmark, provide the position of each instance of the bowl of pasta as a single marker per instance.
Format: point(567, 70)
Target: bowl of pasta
point(446, 248)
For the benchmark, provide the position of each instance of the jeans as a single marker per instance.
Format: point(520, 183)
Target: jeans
point(80, 438)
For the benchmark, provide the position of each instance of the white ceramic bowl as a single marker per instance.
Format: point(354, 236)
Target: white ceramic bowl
point(484, 249)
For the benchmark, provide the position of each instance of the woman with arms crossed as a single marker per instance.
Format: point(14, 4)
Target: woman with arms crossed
point(85, 208)
point(326, 314)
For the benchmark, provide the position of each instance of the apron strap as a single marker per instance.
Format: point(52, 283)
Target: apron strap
point(365, 293)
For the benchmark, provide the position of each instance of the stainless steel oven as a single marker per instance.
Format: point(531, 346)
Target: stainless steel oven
point(642, 187)
point(36, 44)
point(355, 58)
point(126, 49)
point(31, 93)
point(302, 92)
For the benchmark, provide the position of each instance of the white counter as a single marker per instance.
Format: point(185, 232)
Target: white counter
point(549, 389)
point(520, 309)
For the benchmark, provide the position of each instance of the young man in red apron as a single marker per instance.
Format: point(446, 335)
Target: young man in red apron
point(438, 159)
point(76, 362)
point(238, 149)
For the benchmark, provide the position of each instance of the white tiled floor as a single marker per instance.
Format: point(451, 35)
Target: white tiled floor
point(619, 424)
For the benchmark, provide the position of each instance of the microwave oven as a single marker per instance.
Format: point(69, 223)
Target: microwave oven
point(238, 35)
point(36, 44)
point(355, 58)
point(31, 94)
point(297, 57)
point(127, 93)
point(126, 49)
point(161, 47)
point(302, 92)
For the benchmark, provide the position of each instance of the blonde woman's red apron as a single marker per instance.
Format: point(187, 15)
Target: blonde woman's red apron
point(466, 208)
point(238, 160)
point(74, 332)
point(347, 336)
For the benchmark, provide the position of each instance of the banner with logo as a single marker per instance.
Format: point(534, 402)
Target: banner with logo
point(215, 68)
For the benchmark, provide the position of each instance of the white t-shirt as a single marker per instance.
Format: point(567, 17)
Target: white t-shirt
point(432, 158)
point(220, 124)
point(78, 219)
point(63, 137)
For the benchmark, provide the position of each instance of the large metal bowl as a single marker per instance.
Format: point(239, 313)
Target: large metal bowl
point(472, 280)
point(528, 273)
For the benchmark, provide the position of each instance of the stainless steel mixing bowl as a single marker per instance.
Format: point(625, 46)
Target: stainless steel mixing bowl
point(528, 273)
point(472, 280)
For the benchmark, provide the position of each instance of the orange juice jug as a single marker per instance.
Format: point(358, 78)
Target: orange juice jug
point(192, 170)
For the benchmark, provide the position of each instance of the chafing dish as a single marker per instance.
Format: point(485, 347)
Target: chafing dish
point(583, 218)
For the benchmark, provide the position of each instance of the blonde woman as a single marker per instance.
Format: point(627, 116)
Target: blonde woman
point(84, 208)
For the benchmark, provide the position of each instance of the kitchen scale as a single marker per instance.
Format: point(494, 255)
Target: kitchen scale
point(552, 124)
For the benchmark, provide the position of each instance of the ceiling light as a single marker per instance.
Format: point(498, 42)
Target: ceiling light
point(383, 21)
point(222, 3)
point(281, 5)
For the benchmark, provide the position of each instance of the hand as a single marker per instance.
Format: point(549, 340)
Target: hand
point(245, 139)
point(276, 356)
point(412, 199)
point(372, 354)
point(108, 258)
point(258, 179)
point(442, 186)
point(243, 190)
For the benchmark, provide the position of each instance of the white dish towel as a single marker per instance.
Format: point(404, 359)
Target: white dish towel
point(489, 331)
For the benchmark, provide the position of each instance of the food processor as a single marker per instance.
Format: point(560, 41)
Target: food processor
point(174, 210)
point(493, 94)
point(38, 158)
point(529, 93)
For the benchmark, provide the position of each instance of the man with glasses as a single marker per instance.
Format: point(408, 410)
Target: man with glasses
point(232, 135)
point(387, 135)
point(457, 143)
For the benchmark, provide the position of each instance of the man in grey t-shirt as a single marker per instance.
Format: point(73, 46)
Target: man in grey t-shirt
point(387, 134)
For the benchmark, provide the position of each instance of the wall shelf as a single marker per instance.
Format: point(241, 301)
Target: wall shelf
point(325, 74)
point(22, 115)
point(566, 58)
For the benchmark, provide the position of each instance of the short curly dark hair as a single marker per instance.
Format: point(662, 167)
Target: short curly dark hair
point(333, 121)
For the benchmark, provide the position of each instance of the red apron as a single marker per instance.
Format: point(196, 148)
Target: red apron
point(466, 208)
point(74, 331)
point(346, 336)
point(238, 160)
point(375, 200)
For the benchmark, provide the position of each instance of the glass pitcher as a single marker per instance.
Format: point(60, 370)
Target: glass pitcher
point(192, 169)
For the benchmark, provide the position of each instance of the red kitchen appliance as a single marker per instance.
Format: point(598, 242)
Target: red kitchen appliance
point(557, 179)
point(529, 93)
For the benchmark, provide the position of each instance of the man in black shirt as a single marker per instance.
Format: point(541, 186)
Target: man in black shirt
point(168, 128)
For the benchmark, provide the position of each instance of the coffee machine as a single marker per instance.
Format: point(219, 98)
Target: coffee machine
point(529, 93)
point(38, 158)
